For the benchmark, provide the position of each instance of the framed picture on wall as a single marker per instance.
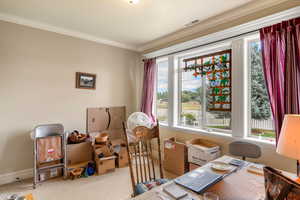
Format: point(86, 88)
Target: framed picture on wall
point(85, 81)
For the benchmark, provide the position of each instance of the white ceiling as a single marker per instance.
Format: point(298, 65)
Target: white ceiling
point(117, 20)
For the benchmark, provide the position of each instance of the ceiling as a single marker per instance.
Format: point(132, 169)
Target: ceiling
point(117, 21)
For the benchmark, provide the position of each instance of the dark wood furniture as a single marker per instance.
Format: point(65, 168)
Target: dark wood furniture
point(140, 147)
point(241, 185)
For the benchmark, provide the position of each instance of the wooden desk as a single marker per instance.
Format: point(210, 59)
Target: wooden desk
point(240, 185)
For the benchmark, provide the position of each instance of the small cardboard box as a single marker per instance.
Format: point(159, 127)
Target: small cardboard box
point(175, 156)
point(78, 153)
point(120, 150)
point(105, 165)
point(50, 174)
point(122, 157)
point(104, 149)
point(76, 166)
point(193, 166)
point(202, 151)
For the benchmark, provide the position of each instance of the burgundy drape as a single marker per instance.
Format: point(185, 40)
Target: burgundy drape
point(148, 87)
point(281, 59)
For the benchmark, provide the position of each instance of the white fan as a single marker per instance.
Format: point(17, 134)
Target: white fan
point(138, 119)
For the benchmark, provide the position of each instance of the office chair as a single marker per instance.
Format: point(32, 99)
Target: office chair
point(244, 149)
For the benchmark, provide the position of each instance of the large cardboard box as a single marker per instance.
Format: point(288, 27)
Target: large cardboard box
point(175, 156)
point(108, 120)
point(202, 151)
point(78, 153)
point(105, 165)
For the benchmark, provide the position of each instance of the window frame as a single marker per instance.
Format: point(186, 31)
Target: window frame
point(154, 109)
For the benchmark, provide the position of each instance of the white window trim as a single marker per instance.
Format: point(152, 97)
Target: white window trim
point(154, 109)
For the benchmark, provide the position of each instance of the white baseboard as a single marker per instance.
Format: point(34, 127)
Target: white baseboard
point(14, 176)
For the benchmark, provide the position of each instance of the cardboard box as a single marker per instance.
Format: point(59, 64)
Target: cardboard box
point(202, 151)
point(78, 153)
point(105, 165)
point(104, 149)
point(49, 149)
point(193, 166)
point(50, 174)
point(120, 150)
point(75, 166)
point(122, 156)
point(108, 120)
point(175, 156)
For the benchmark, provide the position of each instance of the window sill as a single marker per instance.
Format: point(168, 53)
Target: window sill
point(227, 135)
point(198, 131)
point(259, 141)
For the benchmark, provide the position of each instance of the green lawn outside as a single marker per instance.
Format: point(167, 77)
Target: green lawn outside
point(190, 106)
point(185, 106)
point(263, 133)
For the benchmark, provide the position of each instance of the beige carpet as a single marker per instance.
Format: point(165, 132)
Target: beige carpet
point(112, 186)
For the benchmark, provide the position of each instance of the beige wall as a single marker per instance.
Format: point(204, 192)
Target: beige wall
point(237, 16)
point(37, 85)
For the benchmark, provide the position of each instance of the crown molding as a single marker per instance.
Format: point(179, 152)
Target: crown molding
point(63, 31)
point(246, 13)
point(228, 33)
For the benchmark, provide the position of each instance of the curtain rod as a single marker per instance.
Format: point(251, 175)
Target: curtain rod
point(209, 43)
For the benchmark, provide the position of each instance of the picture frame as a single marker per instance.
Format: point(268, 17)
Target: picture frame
point(85, 81)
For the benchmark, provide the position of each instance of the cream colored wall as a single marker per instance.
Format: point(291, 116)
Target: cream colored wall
point(237, 16)
point(269, 155)
point(37, 85)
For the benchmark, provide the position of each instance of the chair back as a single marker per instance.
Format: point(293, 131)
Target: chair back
point(244, 149)
point(140, 144)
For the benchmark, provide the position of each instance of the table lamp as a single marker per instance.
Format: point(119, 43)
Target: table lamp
point(289, 139)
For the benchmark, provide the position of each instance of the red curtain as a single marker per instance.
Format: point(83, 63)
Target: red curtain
point(148, 87)
point(281, 63)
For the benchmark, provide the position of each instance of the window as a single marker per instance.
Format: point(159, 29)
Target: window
point(205, 91)
point(261, 122)
point(191, 95)
point(162, 91)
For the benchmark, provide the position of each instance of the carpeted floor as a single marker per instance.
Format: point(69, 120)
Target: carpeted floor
point(112, 186)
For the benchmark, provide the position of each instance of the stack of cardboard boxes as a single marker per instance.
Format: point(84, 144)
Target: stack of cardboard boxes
point(183, 156)
point(79, 155)
point(113, 153)
point(105, 156)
